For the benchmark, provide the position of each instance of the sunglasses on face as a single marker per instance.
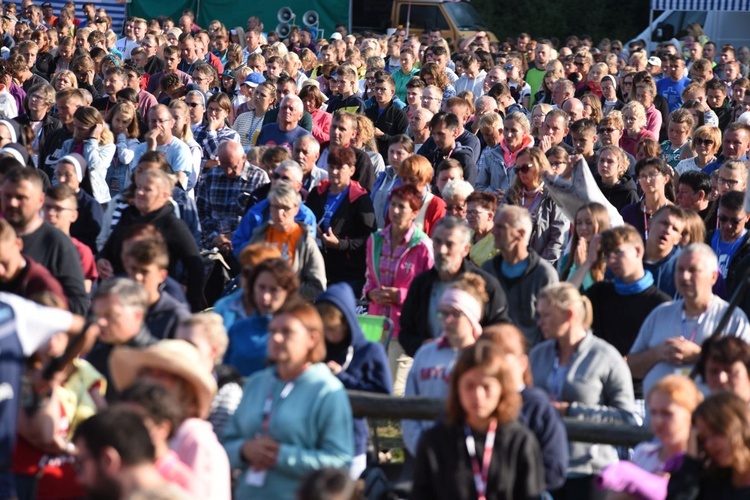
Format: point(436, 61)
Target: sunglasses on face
point(703, 142)
point(734, 221)
point(523, 169)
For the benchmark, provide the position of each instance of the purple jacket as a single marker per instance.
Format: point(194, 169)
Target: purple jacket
point(416, 258)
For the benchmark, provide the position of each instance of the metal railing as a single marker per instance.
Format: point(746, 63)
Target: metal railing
point(381, 406)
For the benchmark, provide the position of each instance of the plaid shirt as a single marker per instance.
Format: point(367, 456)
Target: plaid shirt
point(218, 199)
point(390, 256)
point(209, 140)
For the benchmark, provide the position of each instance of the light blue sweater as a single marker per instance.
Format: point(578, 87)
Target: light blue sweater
point(313, 424)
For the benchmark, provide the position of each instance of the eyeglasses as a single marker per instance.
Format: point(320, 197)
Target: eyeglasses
point(162, 121)
point(703, 142)
point(734, 221)
point(607, 130)
point(649, 177)
point(455, 208)
point(428, 98)
point(194, 104)
point(508, 67)
point(628, 118)
point(280, 208)
point(728, 182)
point(445, 314)
point(476, 213)
point(558, 163)
point(277, 177)
point(523, 169)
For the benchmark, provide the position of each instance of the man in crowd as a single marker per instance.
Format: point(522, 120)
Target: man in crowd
point(343, 128)
point(451, 241)
point(519, 269)
point(219, 192)
point(669, 341)
point(388, 120)
point(22, 202)
point(286, 129)
point(730, 240)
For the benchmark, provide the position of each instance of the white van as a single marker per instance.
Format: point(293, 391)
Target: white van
point(720, 27)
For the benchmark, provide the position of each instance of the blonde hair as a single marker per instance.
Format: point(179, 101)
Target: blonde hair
point(680, 389)
point(186, 134)
point(566, 297)
point(210, 326)
point(366, 133)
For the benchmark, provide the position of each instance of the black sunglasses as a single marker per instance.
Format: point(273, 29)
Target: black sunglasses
point(523, 169)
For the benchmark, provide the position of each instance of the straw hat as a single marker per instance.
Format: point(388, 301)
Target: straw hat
point(173, 356)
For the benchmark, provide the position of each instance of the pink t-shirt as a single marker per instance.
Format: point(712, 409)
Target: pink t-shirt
point(174, 471)
point(196, 444)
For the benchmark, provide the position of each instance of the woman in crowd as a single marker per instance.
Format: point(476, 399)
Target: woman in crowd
point(592, 107)
point(537, 412)
point(655, 178)
point(585, 264)
point(215, 130)
point(612, 178)
point(416, 170)
point(313, 100)
point(717, 464)
point(679, 129)
point(671, 403)
point(182, 130)
point(559, 161)
point(400, 148)
point(94, 141)
point(516, 137)
point(123, 122)
point(237, 305)
point(560, 365)
point(433, 75)
point(455, 193)
point(151, 205)
point(459, 311)
point(248, 124)
point(39, 103)
point(295, 240)
point(483, 407)
point(705, 145)
point(294, 416)
point(480, 215)
point(346, 219)
point(528, 191)
point(634, 118)
point(395, 256)
point(538, 114)
point(365, 140)
point(544, 94)
point(269, 285)
point(724, 365)
point(176, 365)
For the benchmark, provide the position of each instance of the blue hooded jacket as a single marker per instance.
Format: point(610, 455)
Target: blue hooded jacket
point(365, 364)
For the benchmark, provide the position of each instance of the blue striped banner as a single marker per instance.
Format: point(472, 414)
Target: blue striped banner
point(702, 5)
point(115, 10)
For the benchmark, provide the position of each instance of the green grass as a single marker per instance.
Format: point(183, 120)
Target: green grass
point(389, 438)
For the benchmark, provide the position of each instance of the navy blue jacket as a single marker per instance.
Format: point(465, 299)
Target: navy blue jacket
point(365, 363)
point(90, 221)
point(538, 414)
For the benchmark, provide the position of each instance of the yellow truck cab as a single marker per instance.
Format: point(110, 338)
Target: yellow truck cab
point(456, 20)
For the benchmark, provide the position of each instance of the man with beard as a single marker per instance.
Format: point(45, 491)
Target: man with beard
point(451, 240)
point(22, 201)
point(115, 457)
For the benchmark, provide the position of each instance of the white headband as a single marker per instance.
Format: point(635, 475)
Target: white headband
point(76, 164)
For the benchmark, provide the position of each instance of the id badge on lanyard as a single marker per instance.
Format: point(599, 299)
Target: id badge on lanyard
point(481, 471)
point(255, 477)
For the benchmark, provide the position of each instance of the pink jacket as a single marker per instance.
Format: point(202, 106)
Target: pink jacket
point(416, 259)
point(653, 120)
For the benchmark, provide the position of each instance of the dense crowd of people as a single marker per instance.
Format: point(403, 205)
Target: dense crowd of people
point(198, 224)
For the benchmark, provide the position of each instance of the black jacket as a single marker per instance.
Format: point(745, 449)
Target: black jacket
point(180, 243)
point(415, 327)
point(392, 122)
point(443, 467)
point(352, 223)
point(621, 194)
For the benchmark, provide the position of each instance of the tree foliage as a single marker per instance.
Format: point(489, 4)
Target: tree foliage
point(546, 19)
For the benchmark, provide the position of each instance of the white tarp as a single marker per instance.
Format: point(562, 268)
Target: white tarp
point(702, 5)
